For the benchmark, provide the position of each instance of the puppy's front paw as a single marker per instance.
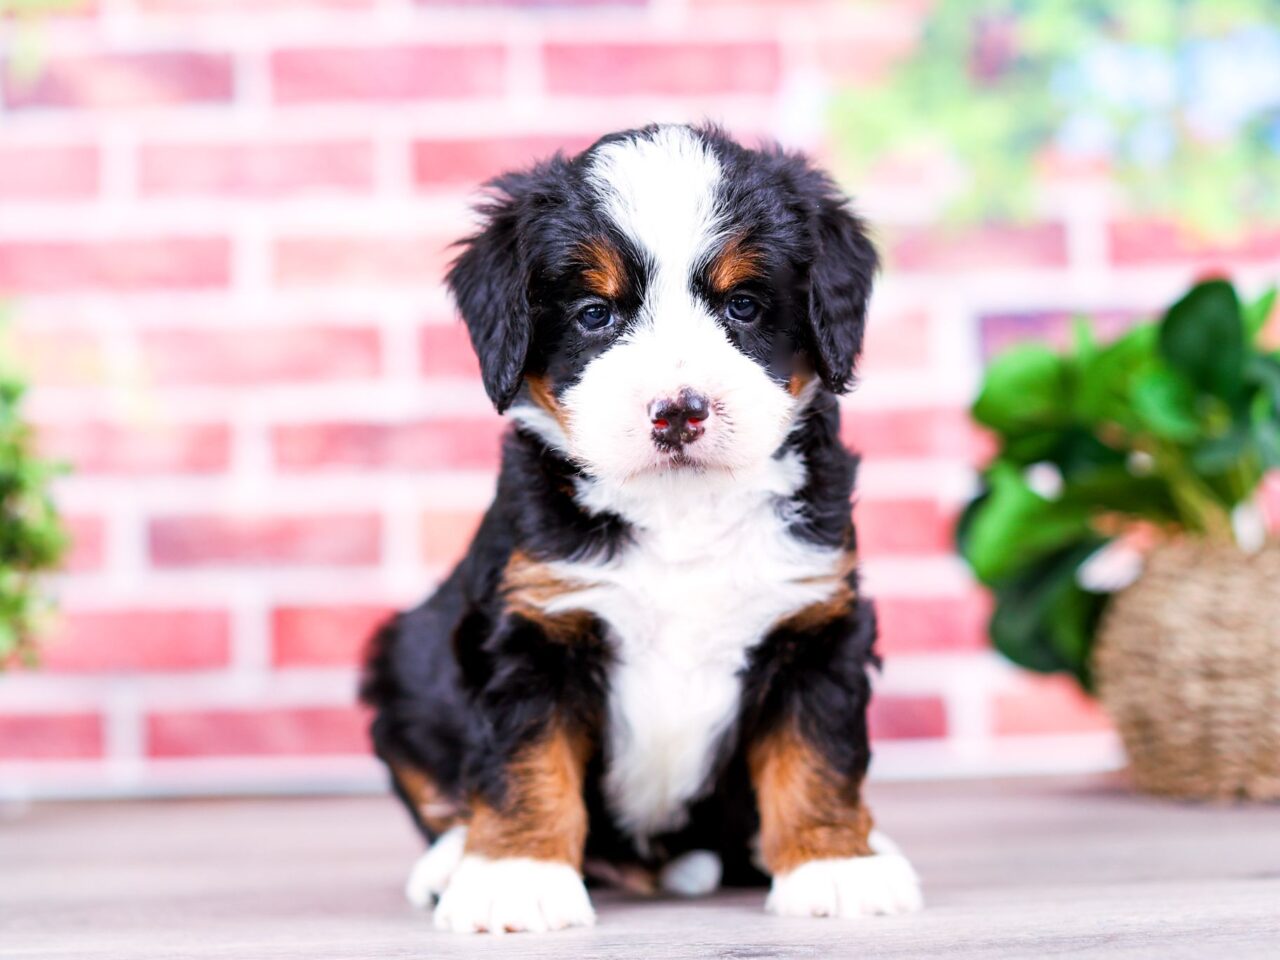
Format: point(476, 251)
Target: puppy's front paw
point(513, 895)
point(430, 875)
point(849, 887)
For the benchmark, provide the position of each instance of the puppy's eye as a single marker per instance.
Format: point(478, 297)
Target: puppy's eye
point(595, 317)
point(741, 309)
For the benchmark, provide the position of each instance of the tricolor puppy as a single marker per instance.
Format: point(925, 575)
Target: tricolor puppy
point(651, 665)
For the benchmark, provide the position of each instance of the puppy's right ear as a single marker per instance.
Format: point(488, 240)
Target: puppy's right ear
point(490, 284)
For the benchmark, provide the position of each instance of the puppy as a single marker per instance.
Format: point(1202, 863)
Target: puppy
point(652, 663)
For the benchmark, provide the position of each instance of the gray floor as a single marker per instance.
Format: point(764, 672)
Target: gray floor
point(1011, 869)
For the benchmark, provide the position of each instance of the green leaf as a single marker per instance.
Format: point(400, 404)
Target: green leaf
point(1220, 454)
point(1257, 314)
point(1106, 378)
point(1024, 388)
point(1264, 371)
point(1116, 489)
point(1044, 620)
point(1166, 404)
point(1086, 344)
point(1202, 336)
point(1016, 526)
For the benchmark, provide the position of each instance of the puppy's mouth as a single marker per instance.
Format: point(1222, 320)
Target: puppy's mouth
point(679, 459)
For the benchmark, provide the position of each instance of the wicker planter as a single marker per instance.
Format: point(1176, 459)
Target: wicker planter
point(1188, 665)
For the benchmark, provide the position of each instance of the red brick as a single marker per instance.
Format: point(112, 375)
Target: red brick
point(658, 69)
point(529, 4)
point(29, 266)
point(87, 551)
point(323, 636)
point(194, 540)
point(387, 73)
point(270, 732)
point(906, 718)
point(1142, 242)
point(1046, 705)
point(929, 432)
point(896, 342)
point(61, 358)
point(932, 624)
point(48, 173)
point(446, 536)
point(256, 169)
point(1271, 502)
point(132, 641)
point(148, 79)
point(255, 355)
point(453, 163)
point(94, 447)
point(903, 526)
point(1056, 328)
point(329, 261)
point(244, 7)
point(51, 736)
point(446, 352)
point(466, 444)
point(861, 61)
point(996, 247)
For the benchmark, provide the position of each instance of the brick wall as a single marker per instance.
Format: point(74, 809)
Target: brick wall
point(224, 225)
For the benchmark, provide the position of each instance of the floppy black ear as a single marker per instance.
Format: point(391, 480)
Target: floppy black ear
point(490, 284)
point(840, 281)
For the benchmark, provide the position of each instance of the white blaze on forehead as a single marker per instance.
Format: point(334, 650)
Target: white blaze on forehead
point(660, 190)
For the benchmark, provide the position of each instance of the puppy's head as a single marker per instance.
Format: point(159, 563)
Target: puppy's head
point(666, 300)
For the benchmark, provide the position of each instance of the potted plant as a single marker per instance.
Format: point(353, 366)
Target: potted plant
point(1153, 447)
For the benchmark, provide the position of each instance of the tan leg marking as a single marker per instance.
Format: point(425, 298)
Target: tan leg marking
point(434, 807)
point(542, 814)
point(808, 811)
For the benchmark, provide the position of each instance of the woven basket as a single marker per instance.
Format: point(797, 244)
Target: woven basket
point(1188, 665)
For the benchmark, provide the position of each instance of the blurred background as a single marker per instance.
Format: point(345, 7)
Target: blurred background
point(223, 225)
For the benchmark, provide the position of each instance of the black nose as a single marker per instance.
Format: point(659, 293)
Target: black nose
point(680, 420)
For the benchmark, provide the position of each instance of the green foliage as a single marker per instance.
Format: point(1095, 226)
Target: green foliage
point(22, 60)
point(1173, 424)
point(1139, 88)
point(32, 539)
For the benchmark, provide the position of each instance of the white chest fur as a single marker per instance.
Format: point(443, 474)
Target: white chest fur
point(712, 567)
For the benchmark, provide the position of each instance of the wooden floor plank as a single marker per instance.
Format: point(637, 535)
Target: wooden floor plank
point(1011, 869)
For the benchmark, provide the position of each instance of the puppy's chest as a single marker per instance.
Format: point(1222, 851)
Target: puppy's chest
point(684, 605)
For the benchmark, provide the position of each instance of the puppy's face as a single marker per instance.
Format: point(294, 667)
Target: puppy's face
point(665, 301)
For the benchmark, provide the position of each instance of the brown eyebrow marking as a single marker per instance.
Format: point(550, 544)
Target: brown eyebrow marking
point(735, 263)
point(605, 274)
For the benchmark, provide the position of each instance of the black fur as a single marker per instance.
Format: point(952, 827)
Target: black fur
point(459, 683)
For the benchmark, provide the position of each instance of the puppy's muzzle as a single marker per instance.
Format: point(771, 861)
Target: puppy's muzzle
point(679, 420)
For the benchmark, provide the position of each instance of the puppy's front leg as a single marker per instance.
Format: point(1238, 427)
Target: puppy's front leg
point(815, 835)
point(522, 860)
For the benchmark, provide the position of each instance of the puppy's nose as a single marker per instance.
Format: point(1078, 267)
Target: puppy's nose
point(679, 420)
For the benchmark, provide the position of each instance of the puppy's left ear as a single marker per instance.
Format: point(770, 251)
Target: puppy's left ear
point(490, 281)
point(840, 281)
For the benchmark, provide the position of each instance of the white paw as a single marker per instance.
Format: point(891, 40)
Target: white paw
point(513, 895)
point(693, 874)
point(853, 887)
point(430, 875)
